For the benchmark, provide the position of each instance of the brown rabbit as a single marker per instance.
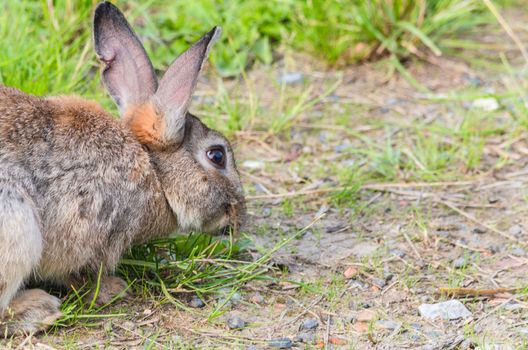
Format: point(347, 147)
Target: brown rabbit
point(78, 187)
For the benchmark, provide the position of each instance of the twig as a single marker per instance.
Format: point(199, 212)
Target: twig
point(374, 187)
point(413, 247)
point(327, 334)
point(507, 28)
point(459, 292)
point(472, 218)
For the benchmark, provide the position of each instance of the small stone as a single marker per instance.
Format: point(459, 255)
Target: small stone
point(388, 324)
point(378, 282)
point(493, 200)
point(253, 164)
point(365, 315)
point(496, 248)
point(351, 272)
point(196, 302)
point(235, 322)
point(280, 343)
point(266, 212)
point(305, 337)
point(460, 262)
point(260, 188)
point(310, 323)
point(341, 148)
point(322, 210)
point(147, 312)
point(291, 78)
point(518, 251)
point(257, 298)
point(515, 230)
point(513, 306)
point(398, 253)
point(129, 325)
point(473, 80)
point(488, 104)
point(434, 334)
point(448, 310)
point(108, 327)
point(495, 346)
point(479, 230)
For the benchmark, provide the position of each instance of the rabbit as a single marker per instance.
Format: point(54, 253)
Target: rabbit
point(78, 187)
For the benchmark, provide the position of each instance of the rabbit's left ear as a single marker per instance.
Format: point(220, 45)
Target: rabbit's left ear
point(128, 76)
point(177, 85)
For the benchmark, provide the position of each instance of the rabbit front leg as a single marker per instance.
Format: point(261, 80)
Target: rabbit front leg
point(25, 311)
point(110, 288)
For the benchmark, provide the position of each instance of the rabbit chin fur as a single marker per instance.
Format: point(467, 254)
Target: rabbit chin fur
point(77, 188)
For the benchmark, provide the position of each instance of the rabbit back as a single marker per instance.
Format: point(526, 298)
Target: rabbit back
point(93, 184)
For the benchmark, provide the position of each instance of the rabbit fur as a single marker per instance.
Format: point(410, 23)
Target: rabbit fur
point(78, 187)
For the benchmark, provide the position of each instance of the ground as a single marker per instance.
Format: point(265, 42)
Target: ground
point(404, 197)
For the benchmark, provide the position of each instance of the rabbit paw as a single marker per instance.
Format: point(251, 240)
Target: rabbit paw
point(111, 288)
point(32, 311)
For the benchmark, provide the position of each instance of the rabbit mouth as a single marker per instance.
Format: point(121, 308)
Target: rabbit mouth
point(229, 221)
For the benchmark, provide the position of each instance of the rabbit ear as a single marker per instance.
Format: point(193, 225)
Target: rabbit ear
point(177, 85)
point(128, 75)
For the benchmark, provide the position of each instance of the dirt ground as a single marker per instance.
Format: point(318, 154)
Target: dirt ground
point(357, 277)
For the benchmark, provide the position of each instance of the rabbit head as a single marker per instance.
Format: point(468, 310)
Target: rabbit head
point(195, 164)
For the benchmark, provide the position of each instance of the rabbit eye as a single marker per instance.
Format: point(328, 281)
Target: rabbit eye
point(216, 156)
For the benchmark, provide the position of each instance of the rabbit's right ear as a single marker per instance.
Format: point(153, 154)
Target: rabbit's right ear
point(128, 74)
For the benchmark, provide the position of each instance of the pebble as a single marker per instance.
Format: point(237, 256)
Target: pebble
point(460, 262)
point(488, 104)
point(496, 248)
point(266, 212)
point(495, 346)
point(518, 251)
point(493, 200)
point(260, 188)
point(388, 324)
point(515, 230)
point(341, 148)
point(448, 310)
point(513, 306)
point(253, 164)
point(378, 282)
point(479, 230)
point(310, 323)
point(108, 327)
point(257, 298)
point(473, 80)
point(291, 78)
point(129, 325)
point(416, 326)
point(281, 343)
point(235, 322)
point(434, 334)
point(305, 337)
point(398, 253)
point(196, 302)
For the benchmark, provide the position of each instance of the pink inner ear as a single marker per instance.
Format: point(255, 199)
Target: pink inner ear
point(178, 83)
point(128, 75)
